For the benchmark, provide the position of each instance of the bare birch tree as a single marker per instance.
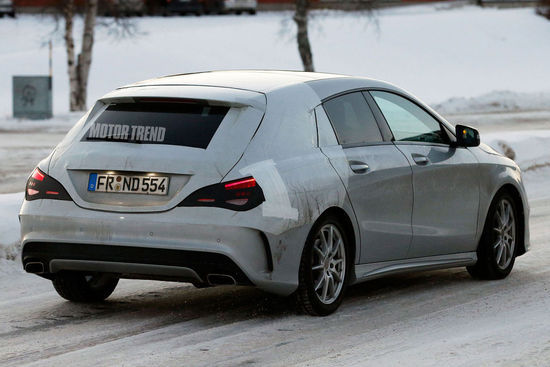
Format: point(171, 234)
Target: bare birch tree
point(304, 48)
point(301, 18)
point(79, 67)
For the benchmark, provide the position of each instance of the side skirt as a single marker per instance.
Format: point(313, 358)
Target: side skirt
point(365, 272)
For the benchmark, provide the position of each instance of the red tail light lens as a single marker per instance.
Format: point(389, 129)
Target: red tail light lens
point(42, 186)
point(241, 184)
point(240, 195)
point(37, 175)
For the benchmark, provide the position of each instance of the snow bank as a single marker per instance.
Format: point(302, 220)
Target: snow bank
point(531, 154)
point(498, 101)
point(530, 147)
point(435, 52)
point(9, 230)
point(60, 123)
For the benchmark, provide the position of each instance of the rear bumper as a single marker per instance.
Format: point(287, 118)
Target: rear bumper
point(181, 244)
point(133, 262)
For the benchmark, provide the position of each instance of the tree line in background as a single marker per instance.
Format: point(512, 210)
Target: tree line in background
point(544, 8)
point(78, 65)
point(301, 18)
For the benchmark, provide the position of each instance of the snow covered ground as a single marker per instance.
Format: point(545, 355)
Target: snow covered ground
point(531, 153)
point(9, 232)
point(435, 318)
point(435, 51)
point(485, 67)
point(424, 319)
point(496, 101)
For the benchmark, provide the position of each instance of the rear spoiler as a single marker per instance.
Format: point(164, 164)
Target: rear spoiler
point(214, 96)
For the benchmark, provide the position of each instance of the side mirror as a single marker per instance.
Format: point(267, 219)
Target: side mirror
point(467, 136)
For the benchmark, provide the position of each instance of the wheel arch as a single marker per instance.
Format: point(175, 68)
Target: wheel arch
point(518, 202)
point(346, 222)
point(306, 298)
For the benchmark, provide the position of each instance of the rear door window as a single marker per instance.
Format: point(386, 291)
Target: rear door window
point(352, 119)
point(169, 123)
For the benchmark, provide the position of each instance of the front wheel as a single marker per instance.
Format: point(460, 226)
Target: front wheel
point(324, 268)
point(79, 287)
point(497, 247)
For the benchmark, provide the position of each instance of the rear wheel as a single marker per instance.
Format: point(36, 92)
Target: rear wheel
point(324, 269)
point(497, 248)
point(79, 287)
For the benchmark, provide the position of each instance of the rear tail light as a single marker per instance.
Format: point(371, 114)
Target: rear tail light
point(240, 195)
point(42, 186)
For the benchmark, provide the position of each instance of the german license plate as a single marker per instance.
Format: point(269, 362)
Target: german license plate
point(128, 184)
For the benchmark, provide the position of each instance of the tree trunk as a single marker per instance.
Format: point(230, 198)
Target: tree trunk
point(68, 14)
point(79, 69)
point(301, 18)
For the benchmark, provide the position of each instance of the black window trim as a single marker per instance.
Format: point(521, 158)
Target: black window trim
point(381, 120)
point(317, 128)
point(381, 127)
point(387, 134)
point(442, 126)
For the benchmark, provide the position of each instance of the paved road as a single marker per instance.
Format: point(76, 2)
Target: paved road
point(19, 154)
point(431, 318)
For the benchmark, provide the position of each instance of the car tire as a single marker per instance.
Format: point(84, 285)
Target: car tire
point(325, 268)
point(79, 287)
point(497, 248)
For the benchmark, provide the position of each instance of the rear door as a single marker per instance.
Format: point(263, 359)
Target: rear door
point(172, 146)
point(445, 178)
point(376, 175)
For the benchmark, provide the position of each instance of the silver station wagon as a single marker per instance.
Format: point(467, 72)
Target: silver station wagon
point(297, 183)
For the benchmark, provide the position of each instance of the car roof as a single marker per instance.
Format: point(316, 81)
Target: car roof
point(263, 81)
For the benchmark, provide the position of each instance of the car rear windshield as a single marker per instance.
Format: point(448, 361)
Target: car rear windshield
point(169, 123)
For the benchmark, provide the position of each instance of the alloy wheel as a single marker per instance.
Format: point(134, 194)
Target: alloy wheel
point(504, 226)
point(328, 263)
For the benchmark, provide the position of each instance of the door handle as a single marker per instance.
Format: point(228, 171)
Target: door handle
point(421, 160)
point(358, 167)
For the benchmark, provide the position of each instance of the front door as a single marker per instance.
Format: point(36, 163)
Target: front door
point(445, 179)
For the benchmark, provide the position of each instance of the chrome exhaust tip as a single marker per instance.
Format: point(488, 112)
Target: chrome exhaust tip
point(34, 267)
point(220, 279)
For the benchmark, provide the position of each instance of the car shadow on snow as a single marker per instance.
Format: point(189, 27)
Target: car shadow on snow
point(435, 287)
point(222, 304)
point(177, 303)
